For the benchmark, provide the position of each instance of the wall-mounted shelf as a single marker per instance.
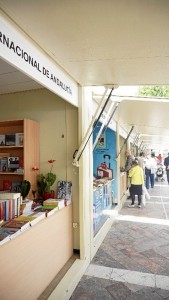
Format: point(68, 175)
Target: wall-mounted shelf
point(28, 152)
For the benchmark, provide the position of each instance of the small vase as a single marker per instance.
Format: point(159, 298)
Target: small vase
point(46, 195)
point(52, 194)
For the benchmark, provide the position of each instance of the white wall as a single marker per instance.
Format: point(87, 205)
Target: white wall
point(58, 133)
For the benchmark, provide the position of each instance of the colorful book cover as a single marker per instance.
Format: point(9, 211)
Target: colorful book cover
point(6, 210)
point(48, 207)
point(64, 190)
point(7, 234)
point(4, 237)
point(17, 224)
point(7, 185)
point(2, 139)
point(25, 218)
point(16, 187)
point(3, 164)
point(10, 139)
point(38, 216)
point(19, 139)
point(13, 163)
point(2, 209)
point(10, 209)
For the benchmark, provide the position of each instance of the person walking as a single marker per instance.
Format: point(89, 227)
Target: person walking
point(166, 164)
point(137, 180)
point(147, 171)
point(150, 170)
point(128, 164)
point(160, 159)
point(141, 160)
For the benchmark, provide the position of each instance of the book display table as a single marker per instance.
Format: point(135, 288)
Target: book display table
point(102, 201)
point(31, 260)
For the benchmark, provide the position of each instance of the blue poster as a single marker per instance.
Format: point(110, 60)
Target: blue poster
point(104, 166)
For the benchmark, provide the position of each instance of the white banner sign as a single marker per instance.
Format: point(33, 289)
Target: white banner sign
point(20, 52)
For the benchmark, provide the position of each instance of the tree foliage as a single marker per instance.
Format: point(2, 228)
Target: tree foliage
point(154, 91)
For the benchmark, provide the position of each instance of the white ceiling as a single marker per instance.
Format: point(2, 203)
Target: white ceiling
point(100, 42)
point(12, 80)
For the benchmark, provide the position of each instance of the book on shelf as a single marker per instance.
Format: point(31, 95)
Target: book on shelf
point(13, 163)
point(7, 185)
point(8, 209)
point(38, 216)
point(20, 224)
point(2, 210)
point(10, 139)
point(48, 209)
point(20, 162)
point(4, 236)
point(11, 196)
point(16, 202)
point(3, 164)
point(19, 139)
point(8, 234)
point(16, 187)
point(29, 219)
point(64, 190)
point(60, 203)
point(2, 139)
point(4, 191)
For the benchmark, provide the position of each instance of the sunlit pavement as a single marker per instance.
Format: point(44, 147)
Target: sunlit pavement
point(133, 260)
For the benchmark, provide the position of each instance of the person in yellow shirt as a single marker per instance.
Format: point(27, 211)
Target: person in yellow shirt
point(137, 180)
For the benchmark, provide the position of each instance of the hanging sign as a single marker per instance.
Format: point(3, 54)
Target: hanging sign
point(18, 50)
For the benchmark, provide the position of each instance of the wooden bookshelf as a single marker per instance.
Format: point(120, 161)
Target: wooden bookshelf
point(29, 151)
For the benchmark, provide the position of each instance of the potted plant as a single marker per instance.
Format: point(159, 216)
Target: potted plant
point(25, 188)
point(45, 183)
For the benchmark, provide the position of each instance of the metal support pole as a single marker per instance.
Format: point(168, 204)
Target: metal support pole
point(105, 125)
point(125, 141)
point(92, 126)
point(140, 145)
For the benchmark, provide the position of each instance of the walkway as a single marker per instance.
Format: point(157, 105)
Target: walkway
point(132, 263)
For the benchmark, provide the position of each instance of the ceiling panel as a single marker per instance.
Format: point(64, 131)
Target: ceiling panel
point(99, 43)
point(12, 80)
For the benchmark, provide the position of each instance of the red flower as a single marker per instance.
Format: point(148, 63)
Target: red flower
point(35, 169)
point(51, 161)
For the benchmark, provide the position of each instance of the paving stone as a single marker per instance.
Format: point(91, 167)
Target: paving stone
point(133, 246)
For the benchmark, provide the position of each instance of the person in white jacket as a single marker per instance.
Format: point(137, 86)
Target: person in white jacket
point(150, 170)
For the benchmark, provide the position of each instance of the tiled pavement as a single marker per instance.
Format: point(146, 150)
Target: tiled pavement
point(132, 263)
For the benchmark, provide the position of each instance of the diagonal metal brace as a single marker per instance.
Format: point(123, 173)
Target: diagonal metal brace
point(78, 153)
point(125, 141)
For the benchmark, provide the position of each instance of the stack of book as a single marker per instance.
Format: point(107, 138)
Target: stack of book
point(17, 223)
point(60, 203)
point(33, 218)
point(47, 209)
point(38, 216)
point(10, 204)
